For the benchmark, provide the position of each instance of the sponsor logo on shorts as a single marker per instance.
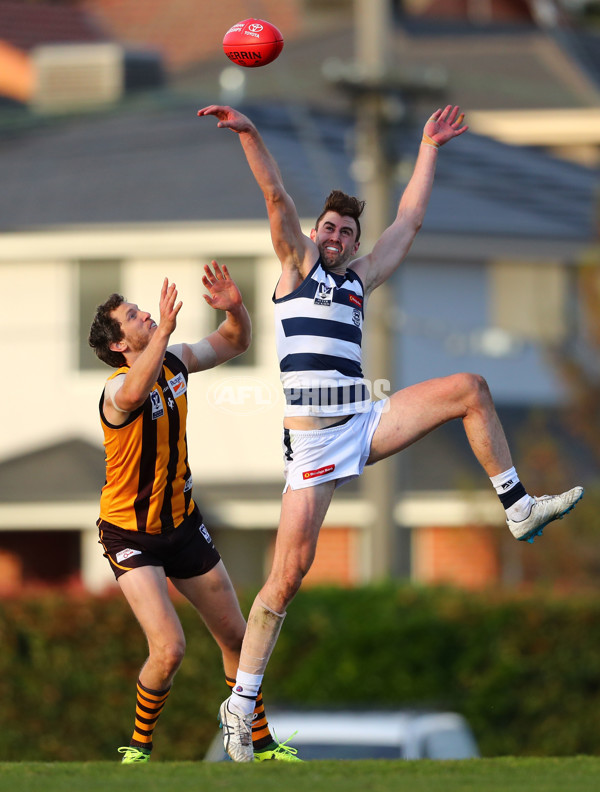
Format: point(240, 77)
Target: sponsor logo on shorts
point(123, 555)
point(178, 385)
point(322, 471)
point(205, 533)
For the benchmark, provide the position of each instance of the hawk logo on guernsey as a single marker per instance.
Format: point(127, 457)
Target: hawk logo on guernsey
point(178, 385)
point(309, 474)
point(324, 294)
point(157, 406)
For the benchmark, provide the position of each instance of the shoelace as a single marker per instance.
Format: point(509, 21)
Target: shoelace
point(283, 746)
point(242, 729)
point(133, 754)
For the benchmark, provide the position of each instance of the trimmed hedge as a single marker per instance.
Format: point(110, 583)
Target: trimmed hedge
point(524, 670)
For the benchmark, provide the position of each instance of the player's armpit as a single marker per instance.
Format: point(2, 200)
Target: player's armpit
point(195, 357)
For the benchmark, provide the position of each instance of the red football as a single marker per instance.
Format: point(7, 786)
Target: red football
point(252, 43)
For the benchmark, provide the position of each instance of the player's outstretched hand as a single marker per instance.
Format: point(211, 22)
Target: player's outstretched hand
point(444, 125)
point(228, 117)
point(223, 293)
point(168, 308)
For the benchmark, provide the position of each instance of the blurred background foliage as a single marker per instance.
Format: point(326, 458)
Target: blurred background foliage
point(522, 668)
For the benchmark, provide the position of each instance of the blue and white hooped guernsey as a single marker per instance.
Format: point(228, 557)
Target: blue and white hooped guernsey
point(318, 335)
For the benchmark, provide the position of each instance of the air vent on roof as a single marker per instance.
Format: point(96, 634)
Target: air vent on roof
point(72, 76)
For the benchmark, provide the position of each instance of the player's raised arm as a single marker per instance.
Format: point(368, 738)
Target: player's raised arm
point(290, 244)
point(393, 245)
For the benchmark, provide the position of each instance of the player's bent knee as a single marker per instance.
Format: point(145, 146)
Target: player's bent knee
point(481, 389)
point(289, 585)
point(170, 657)
point(286, 577)
point(231, 641)
point(475, 386)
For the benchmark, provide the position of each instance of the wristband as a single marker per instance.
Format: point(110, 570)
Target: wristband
point(429, 141)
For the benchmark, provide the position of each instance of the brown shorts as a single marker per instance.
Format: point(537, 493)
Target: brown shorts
point(184, 552)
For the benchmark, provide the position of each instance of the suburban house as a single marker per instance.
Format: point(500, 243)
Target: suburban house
point(115, 197)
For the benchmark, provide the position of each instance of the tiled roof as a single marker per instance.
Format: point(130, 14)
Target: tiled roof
point(70, 470)
point(165, 164)
point(499, 67)
point(26, 25)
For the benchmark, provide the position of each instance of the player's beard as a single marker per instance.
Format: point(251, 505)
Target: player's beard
point(333, 260)
point(139, 341)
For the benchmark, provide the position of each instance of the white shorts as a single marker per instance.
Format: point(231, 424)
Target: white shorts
point(337, 453)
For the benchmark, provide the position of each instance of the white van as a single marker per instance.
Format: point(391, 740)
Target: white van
point(400, 734)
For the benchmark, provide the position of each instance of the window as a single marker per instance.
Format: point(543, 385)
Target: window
point(529, 299)
point(97, 279)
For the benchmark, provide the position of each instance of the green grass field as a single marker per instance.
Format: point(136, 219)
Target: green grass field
point(480, 775)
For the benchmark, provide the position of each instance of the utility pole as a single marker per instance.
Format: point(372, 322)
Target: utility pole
point(381, 99)
point(373, 171)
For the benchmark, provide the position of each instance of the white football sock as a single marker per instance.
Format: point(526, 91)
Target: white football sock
point(513, 496)
point(244, 693)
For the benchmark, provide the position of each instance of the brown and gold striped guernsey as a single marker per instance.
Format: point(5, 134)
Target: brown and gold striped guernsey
point(148, 480)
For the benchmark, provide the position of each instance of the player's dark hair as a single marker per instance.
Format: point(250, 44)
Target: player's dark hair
point(106, 330)
point(348, 205)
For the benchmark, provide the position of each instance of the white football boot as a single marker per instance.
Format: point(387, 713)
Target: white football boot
point(237, 733)
point(544, 509)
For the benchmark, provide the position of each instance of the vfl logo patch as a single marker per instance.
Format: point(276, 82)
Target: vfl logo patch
point(178, 385)
point(309, 474)
point(356, 300)
point(205, 533)
point(123, 555)
point(324, 294)
point(157, 406)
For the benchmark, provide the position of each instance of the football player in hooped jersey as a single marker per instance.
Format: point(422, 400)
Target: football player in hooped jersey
point(149, 525)
point(331, 426)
